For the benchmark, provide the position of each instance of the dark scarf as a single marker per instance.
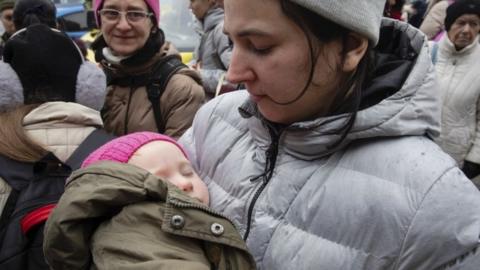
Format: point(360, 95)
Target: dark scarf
point(141, 57)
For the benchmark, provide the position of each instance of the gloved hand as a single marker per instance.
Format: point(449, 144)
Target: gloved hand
point(471, 169)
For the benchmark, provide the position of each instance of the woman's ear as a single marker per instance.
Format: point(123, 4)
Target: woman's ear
point(354, 49)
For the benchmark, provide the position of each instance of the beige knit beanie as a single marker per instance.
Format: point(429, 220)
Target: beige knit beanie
point(360, 16)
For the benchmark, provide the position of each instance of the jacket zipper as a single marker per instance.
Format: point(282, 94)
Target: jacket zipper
point(270, 163)
point(181, 204)
point(448, 94)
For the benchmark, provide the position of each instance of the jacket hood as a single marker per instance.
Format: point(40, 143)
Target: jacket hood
point(90, 87)
point(398, 101)
point(213, 17)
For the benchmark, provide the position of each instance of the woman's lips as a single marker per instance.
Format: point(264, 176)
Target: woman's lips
point(124, 37)
point(256, 98)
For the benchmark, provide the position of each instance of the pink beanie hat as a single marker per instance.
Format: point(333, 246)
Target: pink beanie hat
point(154, 5)
point(122, 148)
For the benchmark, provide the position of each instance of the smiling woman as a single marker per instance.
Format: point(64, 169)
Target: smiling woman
point(131, 49)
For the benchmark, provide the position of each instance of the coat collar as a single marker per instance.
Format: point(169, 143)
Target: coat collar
point(213, 17)
point(448, 48)
point(67, 113)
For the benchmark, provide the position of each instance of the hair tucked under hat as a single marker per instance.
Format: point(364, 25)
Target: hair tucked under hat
point(122, 148)
point(360, 16)
point(459, 8)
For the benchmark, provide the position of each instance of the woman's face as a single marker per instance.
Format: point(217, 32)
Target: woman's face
point(464, 30)
point(166, 161)
point(271, 57)
point(6, 17)
point(123, 37)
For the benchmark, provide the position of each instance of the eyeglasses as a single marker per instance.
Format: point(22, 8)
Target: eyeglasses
point(132, 16)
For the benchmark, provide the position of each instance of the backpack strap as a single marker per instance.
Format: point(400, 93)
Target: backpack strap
point(96, 139)
point(434, 53)
point(161, 75)
point(39, 215)
point(8, 210)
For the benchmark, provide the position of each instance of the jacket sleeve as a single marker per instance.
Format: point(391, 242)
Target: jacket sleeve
point(474, 152)
point(222, 45)
point(445, 230)
point(433, 22)
point(87, 198)
point(210, 78)
point(223, 53)
point(197, 133)
point(183, 97)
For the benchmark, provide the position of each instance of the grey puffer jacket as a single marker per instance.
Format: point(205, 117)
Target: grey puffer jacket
point(214, 50)
point(388, 198)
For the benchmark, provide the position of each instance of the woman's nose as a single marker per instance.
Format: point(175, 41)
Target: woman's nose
point(239, 70)
point(123, 23)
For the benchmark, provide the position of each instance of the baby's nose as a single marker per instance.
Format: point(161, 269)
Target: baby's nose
point(183, 184)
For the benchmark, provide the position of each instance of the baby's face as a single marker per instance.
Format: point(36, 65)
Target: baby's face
point(166, 161)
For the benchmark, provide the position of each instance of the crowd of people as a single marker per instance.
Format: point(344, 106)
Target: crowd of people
point(355, 143)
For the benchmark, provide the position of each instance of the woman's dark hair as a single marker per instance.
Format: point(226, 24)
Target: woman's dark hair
point(317, 28)
point(14, 142)
point(28, 12)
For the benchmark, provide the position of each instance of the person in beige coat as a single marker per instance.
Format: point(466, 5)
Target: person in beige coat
point(50, 98)
point(129, 49)
point(432, 25)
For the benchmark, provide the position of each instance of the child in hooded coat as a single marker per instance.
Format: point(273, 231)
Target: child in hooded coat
point(143, 207)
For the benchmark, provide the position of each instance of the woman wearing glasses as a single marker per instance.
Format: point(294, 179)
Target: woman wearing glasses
point(130, 49)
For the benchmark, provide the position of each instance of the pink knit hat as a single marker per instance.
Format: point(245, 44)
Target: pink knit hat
point(154, 5)
point(122, 148)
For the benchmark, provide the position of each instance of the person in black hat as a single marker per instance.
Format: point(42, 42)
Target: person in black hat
point(462, 22)
point(47, 72)
point(457, 63)
point(6, 17)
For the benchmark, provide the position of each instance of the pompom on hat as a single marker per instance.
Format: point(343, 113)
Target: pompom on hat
point(154, 6)
point(122, 148)
point(360, 16)
point(459, 8)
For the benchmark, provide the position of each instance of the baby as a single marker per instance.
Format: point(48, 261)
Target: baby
point(137, 203)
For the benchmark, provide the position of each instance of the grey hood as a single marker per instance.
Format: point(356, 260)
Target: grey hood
point(400, 100)
point(213, 17)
